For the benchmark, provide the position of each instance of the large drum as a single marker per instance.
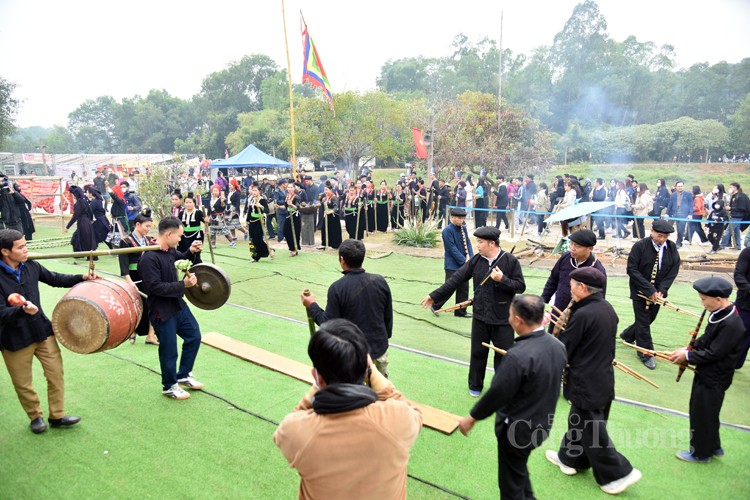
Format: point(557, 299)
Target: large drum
point(97, 315)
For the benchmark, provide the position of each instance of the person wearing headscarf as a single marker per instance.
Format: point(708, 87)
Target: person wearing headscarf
point(256, 208)
point(331, 231)
point(101, 224)
point(234, 210)
point(83, 238)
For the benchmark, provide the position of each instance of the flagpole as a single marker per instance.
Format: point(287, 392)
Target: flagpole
point(291, 95)
point(500, 76)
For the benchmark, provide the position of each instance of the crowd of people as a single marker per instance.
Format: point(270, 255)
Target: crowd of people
point(577, 343)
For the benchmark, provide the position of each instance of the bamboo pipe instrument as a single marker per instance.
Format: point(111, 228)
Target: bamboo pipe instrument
point(210, 246)
point(460, 305)
point(631, 372)
point(496, 349)
point(664, 356)
point(92, 253)
point(310, 320)
point(668, 305)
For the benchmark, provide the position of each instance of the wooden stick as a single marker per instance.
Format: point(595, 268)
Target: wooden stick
point(496, 349)
point(663, 356)
point(631, 372)
point(92, 253)
point(488, 276)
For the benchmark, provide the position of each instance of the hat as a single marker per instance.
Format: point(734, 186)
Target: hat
point(662, 226)
point(584, 237)
point(458, 212)
point(713, 287)
point(488, 233)
point(282, 181)
point(589, 276)
point(271, 177)
point(308, 177)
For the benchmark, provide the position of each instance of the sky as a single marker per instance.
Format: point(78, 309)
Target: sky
point(60, 54)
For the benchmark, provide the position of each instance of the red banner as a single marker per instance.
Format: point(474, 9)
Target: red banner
point(419, 143)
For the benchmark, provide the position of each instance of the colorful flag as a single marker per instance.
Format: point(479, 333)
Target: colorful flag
point(312, 70)
point(419, 143)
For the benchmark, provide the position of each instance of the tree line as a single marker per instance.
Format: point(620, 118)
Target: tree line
point(586, 97)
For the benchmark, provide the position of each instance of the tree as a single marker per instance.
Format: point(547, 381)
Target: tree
point(60, 140)
point(369, 126)
point(739, 128)
point(268, 130)
point(469, 135)
point(8, 109)
point(93, 125)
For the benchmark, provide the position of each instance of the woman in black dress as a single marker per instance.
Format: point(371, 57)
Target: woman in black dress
point(352, 208)
point(368, 197)
point(129, 269)
point(102, 226)
point(83, 239)
point(382, 197)
point(235, 209)
point(397, 210)
point(257, 208)
point(293, 223)
point(192, 221)
point(331, 231)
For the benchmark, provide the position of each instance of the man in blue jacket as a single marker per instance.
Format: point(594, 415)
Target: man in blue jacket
point(680, 207)
point(458, 251)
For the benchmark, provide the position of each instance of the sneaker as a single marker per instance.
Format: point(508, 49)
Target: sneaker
point(552, 457)
point(233, 243)
point(176, 392)
point(190, 383)
point(620, 485)
point(474, 394)
point(686, 456)
point(719, 452)
point(649, 362)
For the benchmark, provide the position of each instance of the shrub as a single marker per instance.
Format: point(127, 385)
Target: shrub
point(417, 234)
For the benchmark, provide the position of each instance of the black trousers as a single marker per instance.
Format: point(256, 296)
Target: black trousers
point(640, 330)
point(499, 335)
point(512, 471)
point(502, 216)
point(462, 295)
point(587, 445)
point(705, 406)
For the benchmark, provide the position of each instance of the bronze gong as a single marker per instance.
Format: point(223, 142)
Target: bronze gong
point(213, 288)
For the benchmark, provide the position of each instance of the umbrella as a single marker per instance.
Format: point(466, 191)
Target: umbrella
point(579, 210)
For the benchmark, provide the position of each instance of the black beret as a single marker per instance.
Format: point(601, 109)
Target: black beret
point(662, 226)
point(713, 287)
point(282, 181)
point(584, 237)
point(488, 233)
point(308, 177)
point(458, 212)
point(589, 276)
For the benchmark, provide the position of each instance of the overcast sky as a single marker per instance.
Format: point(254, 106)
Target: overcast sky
point(61, 53)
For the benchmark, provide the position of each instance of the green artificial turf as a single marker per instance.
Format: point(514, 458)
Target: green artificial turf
point(134, 442)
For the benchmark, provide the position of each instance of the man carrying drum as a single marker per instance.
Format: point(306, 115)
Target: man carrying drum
point(25, 331)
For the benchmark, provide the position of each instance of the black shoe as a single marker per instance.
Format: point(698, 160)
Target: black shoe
point(649, 362)
point(37, 425)
point(625, 337)
point(66, 421)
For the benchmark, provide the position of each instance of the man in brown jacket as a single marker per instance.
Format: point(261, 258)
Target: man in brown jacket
point(340, 423)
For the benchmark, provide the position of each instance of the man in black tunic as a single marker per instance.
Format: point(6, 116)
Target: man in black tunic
point(167, 310)
point(714, 356)
point(362, 298)
point(580, 255)
point(497, 279)
point(653, 265)
point(523, 394)
point(589, 385)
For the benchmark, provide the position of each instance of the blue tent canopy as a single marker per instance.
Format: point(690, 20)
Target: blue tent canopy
point(250, 157)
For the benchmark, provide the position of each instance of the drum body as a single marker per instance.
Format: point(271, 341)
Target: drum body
point(97, 315)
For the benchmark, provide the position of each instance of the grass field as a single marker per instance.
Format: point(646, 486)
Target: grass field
point(134, 442)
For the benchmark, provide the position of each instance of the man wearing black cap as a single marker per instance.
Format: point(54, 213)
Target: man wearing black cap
point(579, 256)
point(589, 385)
point(653, 265)
point(458, 251)
point(497, 279)
point(714, 356)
